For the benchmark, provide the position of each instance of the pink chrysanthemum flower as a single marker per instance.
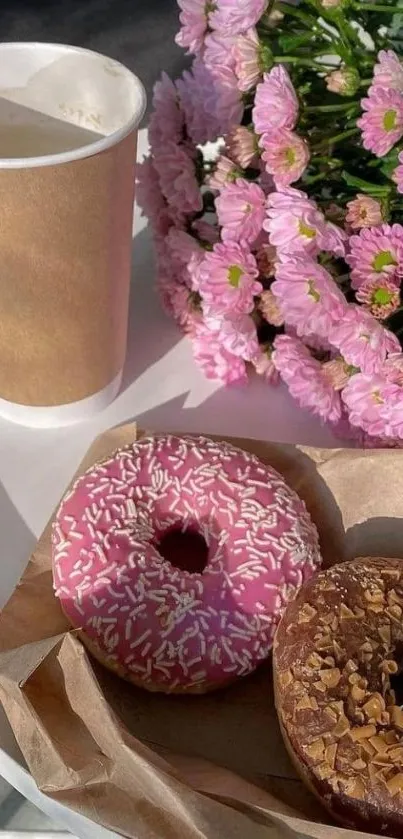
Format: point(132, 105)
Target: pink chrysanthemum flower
point(270, 309)
point(177, 175)
point(398, 174)
point(231, 17)
point(382, 122)
point(248, 67)
point(286, 156)
point(228, 280)
point(381, 297)
point(193, 17)
point(150, 198)
point(166, 121)
point(225, 172)
point(237, 334)
point(266, 260)
point(264, 365)
point(241, 146)
point(308, 297)
point(364, 397)
point(344, 81)
point(205, 231)
point(337, 372)
point(186, 255)
point(178, 302)
point(361, 340)
point(376, 253)
point(294, 224)
point(219, 52)
point(388, 71)
point(241, 210)
point(276, 103)
point(305, 379)
point(215, 361)
point(212, 103)
point(363, 211)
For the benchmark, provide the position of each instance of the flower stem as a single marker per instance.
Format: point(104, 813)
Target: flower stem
point(374, 7)
point(330, 108)
point(296, 59)
point(337, 138)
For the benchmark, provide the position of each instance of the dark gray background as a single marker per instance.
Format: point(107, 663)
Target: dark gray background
point(140, 33)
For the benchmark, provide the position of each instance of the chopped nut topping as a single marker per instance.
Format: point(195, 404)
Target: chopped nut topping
point(330, 754)
point(314, 660)
point(395, 784)
point(384, 632)
point(375, 596)
point(378, 743)
point(324, 771)
point(363, 732)
point(389, 666)
point(354, 787)
point(342, 727)
point(303, 704)
point(286, 678)
point(374, 706)
point(359, 764)
point(396, 716)
point(345, 612)
point(396, 754)
point(338, 650)
point(357, 693)
point(367, 748)
point(320, 686)
point(330, 677)
point(306, 614)
point(316, 750)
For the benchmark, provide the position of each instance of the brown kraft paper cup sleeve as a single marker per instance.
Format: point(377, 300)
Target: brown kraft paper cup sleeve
point(156, 767)
point(65, 241)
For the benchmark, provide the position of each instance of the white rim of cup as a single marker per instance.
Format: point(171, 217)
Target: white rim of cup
point(90, 149)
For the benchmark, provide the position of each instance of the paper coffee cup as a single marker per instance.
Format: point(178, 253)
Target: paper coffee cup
point(68, 131)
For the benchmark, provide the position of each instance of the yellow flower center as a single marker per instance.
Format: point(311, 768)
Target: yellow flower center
point(289, 155)
point(312, 292)
point(389, 119)
point(382, 260)
point(304, 230)
point(234, 275)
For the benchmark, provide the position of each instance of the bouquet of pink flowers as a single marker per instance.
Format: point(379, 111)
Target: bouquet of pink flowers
point(274, 191)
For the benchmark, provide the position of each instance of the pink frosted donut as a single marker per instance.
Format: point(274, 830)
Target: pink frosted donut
point(161, 626)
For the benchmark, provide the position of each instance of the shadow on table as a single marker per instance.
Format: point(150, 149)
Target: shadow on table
point(17, 542)
point(151, 333)
point(255, 411)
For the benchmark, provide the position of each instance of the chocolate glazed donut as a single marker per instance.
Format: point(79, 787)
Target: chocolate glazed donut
point(336, 648)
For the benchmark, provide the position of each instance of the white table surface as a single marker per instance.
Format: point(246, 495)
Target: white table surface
point(163, 390)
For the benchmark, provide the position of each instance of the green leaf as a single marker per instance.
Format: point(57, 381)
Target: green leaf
point(389, 163)
point(288, 43)
point(365, 186)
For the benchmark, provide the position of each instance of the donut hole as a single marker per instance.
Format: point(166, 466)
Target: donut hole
point(184, 549)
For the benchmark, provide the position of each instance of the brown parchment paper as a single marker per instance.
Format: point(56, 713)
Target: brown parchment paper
point(155, 767)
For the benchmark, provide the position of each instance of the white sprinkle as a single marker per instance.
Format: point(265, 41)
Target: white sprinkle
point(227, 649)
point(128, 629)
point(146, 649)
